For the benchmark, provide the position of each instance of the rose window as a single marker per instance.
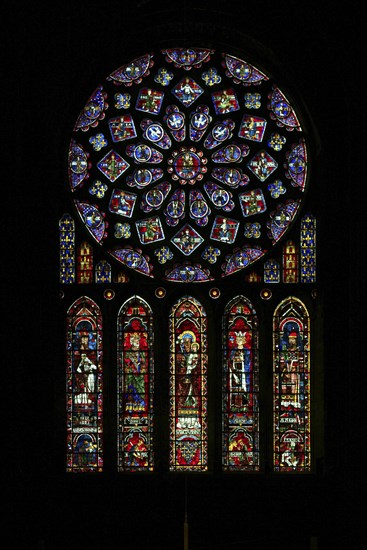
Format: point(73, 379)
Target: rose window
point(198, 155)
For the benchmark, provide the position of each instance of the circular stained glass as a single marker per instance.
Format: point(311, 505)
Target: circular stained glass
point(188, 164)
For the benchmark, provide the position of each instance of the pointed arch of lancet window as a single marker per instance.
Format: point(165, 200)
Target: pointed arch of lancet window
point(240, 386)
point(188, 386)
point(135, 386)
point(84, 387)
point(291, 386)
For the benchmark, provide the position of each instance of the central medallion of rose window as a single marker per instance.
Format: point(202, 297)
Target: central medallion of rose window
point(187, 165)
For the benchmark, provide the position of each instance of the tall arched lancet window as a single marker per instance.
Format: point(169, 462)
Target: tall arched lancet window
point(188, 386)
point(135, 386)
point(291, 379)
point(84, 387)
point(240, 386)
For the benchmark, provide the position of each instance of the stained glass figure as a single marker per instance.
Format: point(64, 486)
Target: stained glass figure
point(84, 387)
point(291, 387)
point(122, 128)
point(308, 249)
point(85, 263)
point(93, 111)
point(135, 386)
point(188, 118)
point(93, 220)
point(67, 249)
point(133, 72)
point(240, 387)
point(282, 111)
point(188, 386)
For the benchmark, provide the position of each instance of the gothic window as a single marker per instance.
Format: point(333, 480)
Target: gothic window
point(291, 378)
point(240, 386)
point(188, 221)
point(135, 386)
point(188, 386)
point(84, 387)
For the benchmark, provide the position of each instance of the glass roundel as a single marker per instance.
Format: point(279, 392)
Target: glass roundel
point(188, 164)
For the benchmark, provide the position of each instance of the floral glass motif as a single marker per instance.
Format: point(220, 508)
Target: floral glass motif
point(103, 272)
point(98, 141)
point(188, 386)
point(291, 387)
point(84, 387)
point(122, 101)
point(271, 271)
point(240, 387)
point(191, 117)
point(98, 189)
point(135, 386)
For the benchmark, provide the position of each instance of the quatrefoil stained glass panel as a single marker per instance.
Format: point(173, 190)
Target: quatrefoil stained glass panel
point(187, 147)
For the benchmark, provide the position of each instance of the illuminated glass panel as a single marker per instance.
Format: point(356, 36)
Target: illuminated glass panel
point(85, 263)
point(103, 272)
point(291, 379)
point(121, 278)
point(253, 277)
point(308, 249)
point(135, 386)
point(84, 387)
point(188, 386)
point(67, 249)
point(175, 149)
point(290, 263)
point(271, 271)
point(240, 386)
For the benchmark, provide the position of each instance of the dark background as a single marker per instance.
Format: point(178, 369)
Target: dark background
point(54, 54)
